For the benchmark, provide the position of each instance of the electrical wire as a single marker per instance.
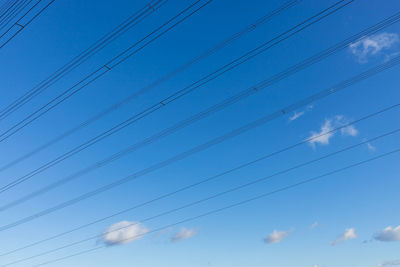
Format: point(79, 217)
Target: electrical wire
point(173, 73)
point(20, 26)
point(100, 71)
point(238, 131)
point(178, 94)
point(219, 175)
point(86, 54)
point(281, 189)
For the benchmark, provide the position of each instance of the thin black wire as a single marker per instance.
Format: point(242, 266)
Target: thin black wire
point(166, 132)
point(175, 72)
point(104, 69)
point(21, 27)
point(217, 176)
point(18, 9)
point(82, 57)
point(4, 7)
point(304, 102)
point(239, 203)
point(23, 6)
point(167, 100)
point(7, 13)
point(191, 204)
point(200, 115)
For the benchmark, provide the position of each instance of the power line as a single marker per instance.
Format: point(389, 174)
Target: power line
point(175, 128)
point(23, 26)
point(99, 72)
point(305, 181)
point(82, 57)
point(15, 13)
point(238, 131)
point(173, 73)
point(241, 95)
point(217, 176)
point(180, 93)
point(8, 12)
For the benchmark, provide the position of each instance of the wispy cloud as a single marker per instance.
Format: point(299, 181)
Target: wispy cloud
point(347, 235)
point(388, 234)
point(371, 147)
point(183, 234)
point(372, 45)
point(124, 232)
point(277, 236)
point(314, 225)
point(298, 114)
point(325, 133)
point(389, 263)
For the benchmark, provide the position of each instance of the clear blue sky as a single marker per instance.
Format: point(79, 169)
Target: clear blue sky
point(306, 219)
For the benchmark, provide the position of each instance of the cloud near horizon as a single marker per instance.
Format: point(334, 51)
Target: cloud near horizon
point(388, 234)
point(124, 232)
point(349, 234)
point(183, 234)
point(373, 45)
point(389, 263)
point(276, 236)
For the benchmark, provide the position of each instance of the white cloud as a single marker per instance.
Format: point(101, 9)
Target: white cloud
point(124, 232)
point(325, 134)
point(296, 115)
point(389, 234)
point(315, 266)
point(276, 236)
point(348, 235)
point(372, 45)
point(350, 130)
point(389, 263)
point(315, 224)
point(322, 137)
point(183, 234)
point(371, 147)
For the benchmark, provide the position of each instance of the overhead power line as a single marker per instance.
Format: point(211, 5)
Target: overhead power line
point(171, 74)
point(237, 97)
point(21, 26)
point(10, 10)
point(218, 176)
point(180, 93)
point(238, 131)
point(102, 70)
point(86, 54)
point(239, 203)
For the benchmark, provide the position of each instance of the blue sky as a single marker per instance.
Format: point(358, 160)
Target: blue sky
point(348, 219)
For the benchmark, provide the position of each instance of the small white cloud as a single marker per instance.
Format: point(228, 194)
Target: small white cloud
point(350, 130)
point(315, 266)
point(371, 147)
point(326, 132)
point(296, 115)
point(389, 263)
point(348, 235)
point(389, 234)
point(315, 224)
point(183, 234)
point(372, 45)
point(276, 236)
point(324, 135)
point(124, 232)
